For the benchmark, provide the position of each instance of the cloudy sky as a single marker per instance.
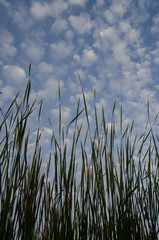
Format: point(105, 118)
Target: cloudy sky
point(113, 44)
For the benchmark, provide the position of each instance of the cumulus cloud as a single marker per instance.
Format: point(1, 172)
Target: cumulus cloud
point(14, 74)
point(125, 26)
point(59, 25)
point(20, 14)
point(46, 132)
point(66, 114)
point(5, 3)
point(7, 48)
point(119, 50)
point(156, 60)
point(61, 50)
point(81, 73)
point(134, 36)
point(109, 33)
point(69, 34)
point(89, 57)
point(144, 74)
point(8, 93)
point(49, 90)
point(119, 8)
point(45, 68)
point(145, 94)
point(33, 50)
point(155, 27)
point(77, 58)
point(82, 24)
point(100, 3)
point(78, 2)
point(110, 17)
point(41, 10)
point(97, 83)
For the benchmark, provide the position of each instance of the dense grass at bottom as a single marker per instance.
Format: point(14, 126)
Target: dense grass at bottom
point(116, 196)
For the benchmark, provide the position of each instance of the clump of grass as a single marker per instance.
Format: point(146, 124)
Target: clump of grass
point(114, 199)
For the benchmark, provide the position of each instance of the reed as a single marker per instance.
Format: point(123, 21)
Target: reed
point(116, 196)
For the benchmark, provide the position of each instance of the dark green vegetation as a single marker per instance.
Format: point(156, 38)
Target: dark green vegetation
point(118, 192)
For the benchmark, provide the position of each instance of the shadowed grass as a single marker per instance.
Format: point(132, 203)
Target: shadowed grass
point(115, 197)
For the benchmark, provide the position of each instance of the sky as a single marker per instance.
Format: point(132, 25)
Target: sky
point(113, 45)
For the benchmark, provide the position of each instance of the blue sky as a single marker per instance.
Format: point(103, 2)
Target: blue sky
point(114, 45)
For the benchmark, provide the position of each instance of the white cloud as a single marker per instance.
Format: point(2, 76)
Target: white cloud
point(77, 58)
point(119, 50)
point(1, 83)
point(119, 8)
point(89, 57)
point(65, 114)
point(69, 34)
point(156, 60)
point(21, 15)
point(81, 73)
point(111, 18)
point(145, 94)
point(8, 93)
point(45, 68)
point(5, 3)
point(125, 26)
point(59, 25)
point(155, 27)
point(33, 50)
point(155, 52)
point(102, 103)
point(141, 51)
point(109, 33)
point(49, 90)
point(7, 48)
point(100, 3)
point(14, 73)
point(46, 132)
point(41, 10)
point(144, 74)
point(134, 36)
point(96, 83)
point(78, 2)
point(55, 112)
point(61, 50)
point(82, 24)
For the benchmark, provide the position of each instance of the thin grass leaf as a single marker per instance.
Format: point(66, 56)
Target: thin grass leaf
point(121, 121)
point(85, 105)
point(29, 69)
point(114, 107)
point(148, 109)
point(75, 118)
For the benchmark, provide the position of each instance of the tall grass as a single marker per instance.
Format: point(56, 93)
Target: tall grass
point(116, 197)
